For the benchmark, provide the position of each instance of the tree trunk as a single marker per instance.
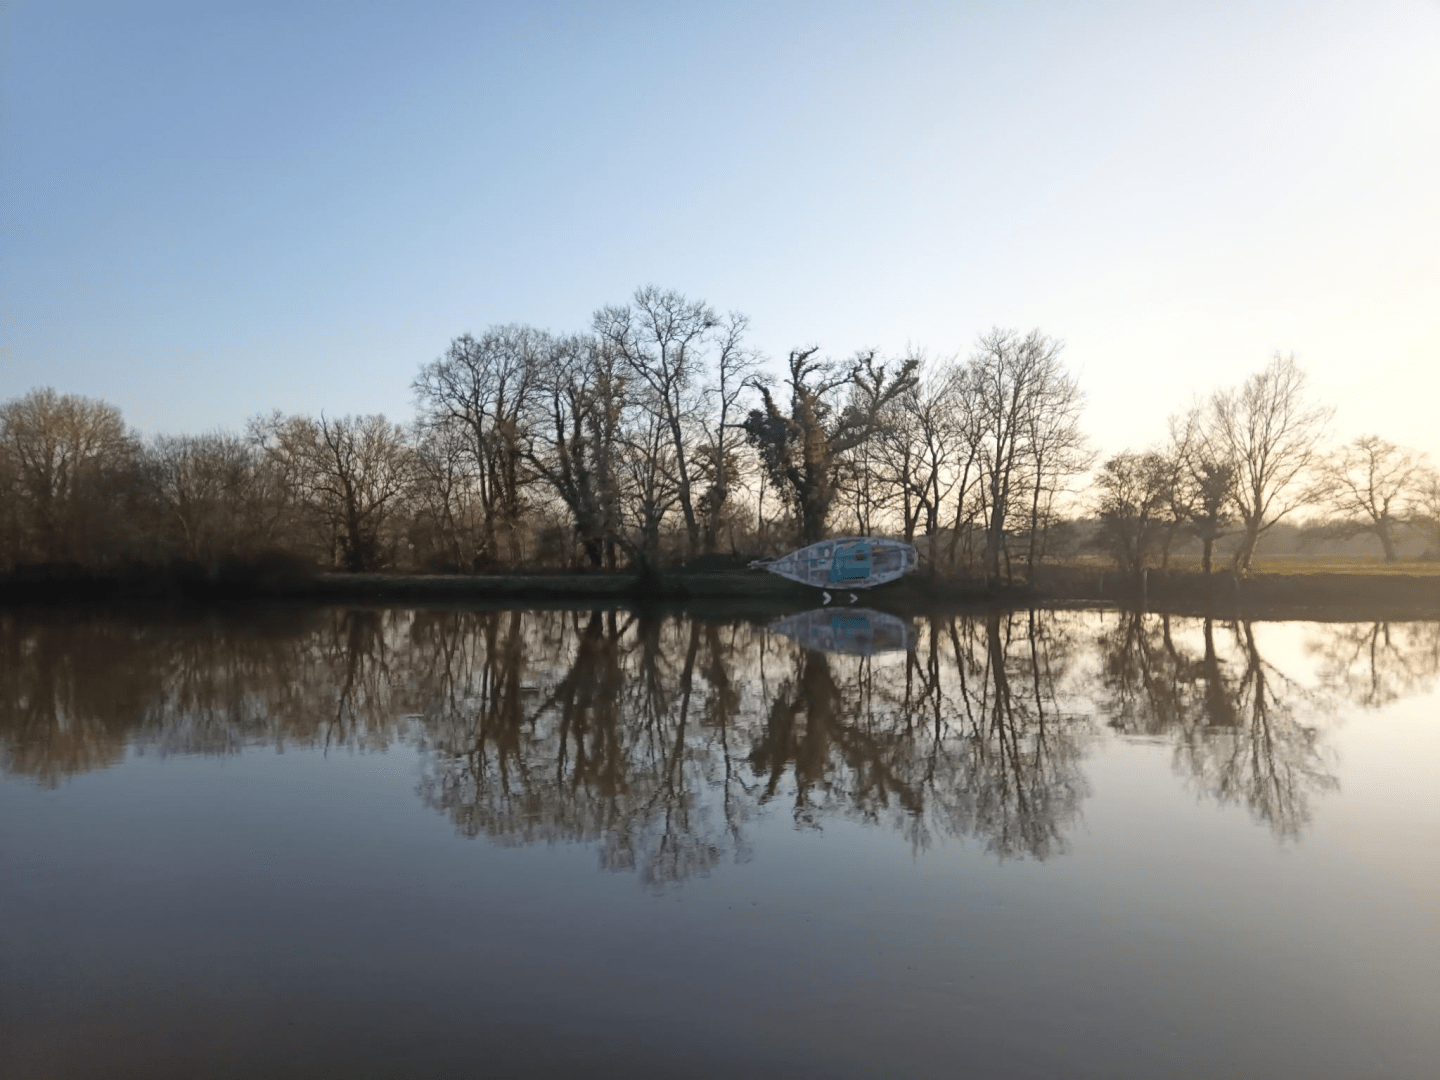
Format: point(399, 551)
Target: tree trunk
point(994, 542)
point(715, 500)
point(682, 477)
point(1034, 530)
point(812, 523)
point(1387, 538)
point(1246, 550)
point(1170, 530)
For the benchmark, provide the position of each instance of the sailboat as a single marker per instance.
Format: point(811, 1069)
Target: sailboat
point(846, 562)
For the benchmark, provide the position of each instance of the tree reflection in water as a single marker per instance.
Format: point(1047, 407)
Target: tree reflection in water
point(1233, 717)
point(602, 727)
point(77, 691)
point(962, 737)
point(1373, 664)
point(658, 738)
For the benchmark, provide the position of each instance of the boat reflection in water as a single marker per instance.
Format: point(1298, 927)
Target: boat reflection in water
point(851, 632)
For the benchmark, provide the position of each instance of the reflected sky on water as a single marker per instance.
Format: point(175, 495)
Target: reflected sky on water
point(385, 843)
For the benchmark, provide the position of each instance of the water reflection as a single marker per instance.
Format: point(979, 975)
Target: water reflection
point(657, 738)
point(853, 631)
point(1243, 729)
point(1373, 664)
point(595, 727)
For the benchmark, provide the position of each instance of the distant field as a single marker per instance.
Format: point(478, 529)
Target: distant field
point(1300, 564)
point(1292, 564)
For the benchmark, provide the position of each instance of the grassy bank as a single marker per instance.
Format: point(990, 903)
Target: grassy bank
point(1282, 565)
point(1319, 591)
point(736, 591)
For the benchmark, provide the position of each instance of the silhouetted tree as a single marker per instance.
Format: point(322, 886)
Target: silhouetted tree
point(484, 389)
point(718, 455)
point(74, 473)
point(1368, 482)
point(582, 395)
point(802, 447)
point(1201, 488)
point(1425, 508)
point(1133, 492)
point(1057, 449)
point(1027, 408)
point(921, 449)
point(1270, 435)
point(661, 339)
point(447, 515)
point(201, 484)
point(649, 488)
point(347, 475)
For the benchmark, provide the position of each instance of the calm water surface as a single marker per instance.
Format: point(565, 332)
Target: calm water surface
point(352, 843)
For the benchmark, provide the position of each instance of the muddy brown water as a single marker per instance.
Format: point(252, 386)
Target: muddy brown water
point(404, 843)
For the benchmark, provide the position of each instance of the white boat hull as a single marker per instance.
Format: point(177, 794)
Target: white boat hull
point(846, 562)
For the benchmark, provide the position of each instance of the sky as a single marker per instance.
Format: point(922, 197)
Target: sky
point(212, 211)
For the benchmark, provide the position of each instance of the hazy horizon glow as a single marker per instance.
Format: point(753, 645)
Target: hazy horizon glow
point(211, 214)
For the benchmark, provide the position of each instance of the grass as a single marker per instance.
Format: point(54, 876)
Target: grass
point(1283, 565)
point(1341, 564)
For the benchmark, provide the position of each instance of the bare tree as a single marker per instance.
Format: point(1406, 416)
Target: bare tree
point(485, 387)
point(1134, 492)
point(803, 448)
point(574, 443)
point(1057, 449)
point(1425, 509)
point(923, 447)
point(364, 469)
point(661, 338)
point(65, 455)
point(280, 499)
point(446, 508)
point(648, 485)
point(354, 472)
point(1021, 390)
point(1270, 435)
point(201, 482)
point(861, 488)
point(11, 522)
point(967, 400)
point(1210, 485)
point(897, 464)
point(718, 456)
point(1367, 481)
point(1201, 488)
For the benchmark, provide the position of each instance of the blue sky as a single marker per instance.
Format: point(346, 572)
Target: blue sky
point(210, 211)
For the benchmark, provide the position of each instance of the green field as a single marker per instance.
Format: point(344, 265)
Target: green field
point(1340, 564)
point(1287, 565)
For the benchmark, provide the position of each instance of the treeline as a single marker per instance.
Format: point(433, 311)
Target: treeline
point(1242, 462)
point(656, 437)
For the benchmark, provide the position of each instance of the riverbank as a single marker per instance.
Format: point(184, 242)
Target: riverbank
point(1324, 595)
point(740, 590)
point(1293, 594)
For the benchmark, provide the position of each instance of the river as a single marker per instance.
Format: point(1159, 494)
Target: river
point(341, 842)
